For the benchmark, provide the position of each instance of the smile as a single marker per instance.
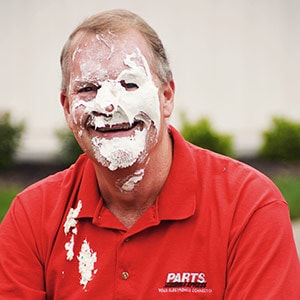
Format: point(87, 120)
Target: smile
point(124, 127)
point(117, 127)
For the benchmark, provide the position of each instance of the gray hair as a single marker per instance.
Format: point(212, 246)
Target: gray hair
point(116, 21)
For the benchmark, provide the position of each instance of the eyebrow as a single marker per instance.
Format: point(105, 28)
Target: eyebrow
point(86, 82)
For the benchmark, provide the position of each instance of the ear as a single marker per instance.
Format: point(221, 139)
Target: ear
point(64, 100)
point(168, 90)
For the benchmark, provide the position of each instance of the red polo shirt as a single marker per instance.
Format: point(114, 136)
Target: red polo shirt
point(218, 230)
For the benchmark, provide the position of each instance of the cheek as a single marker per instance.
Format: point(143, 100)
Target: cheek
point(142, 101)
point(77, 112)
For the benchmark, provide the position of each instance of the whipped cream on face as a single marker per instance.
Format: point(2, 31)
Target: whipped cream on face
point(127, 108)
point(120, 152)
point(127, 104)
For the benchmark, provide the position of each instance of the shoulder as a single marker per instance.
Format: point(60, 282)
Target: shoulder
point(217, 174)
point(48, 197)
point(223, 180)
point(235, 179)
point(65, 178)
point(38, 211)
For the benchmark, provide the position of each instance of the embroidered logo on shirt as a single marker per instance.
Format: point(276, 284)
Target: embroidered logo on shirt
point(185, 282)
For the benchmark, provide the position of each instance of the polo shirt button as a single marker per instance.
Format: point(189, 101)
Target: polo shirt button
point(125, 275)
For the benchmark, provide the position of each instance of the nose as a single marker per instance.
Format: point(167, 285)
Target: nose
point(107, 98)
point(109, 108)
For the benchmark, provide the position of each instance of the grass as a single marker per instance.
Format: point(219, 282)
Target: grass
point(288, 185)
point(290, 188)
point(6, 196)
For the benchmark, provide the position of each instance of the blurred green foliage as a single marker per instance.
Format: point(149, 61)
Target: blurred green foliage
point(281, 141)
point(69, 148)
point(202, 134)
point(10, 138)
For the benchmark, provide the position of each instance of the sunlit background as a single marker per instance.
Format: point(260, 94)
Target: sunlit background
point(235, 62)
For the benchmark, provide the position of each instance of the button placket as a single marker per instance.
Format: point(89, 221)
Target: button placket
point(125, 274)
point(125, 287)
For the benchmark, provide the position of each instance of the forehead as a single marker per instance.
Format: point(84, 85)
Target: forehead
point(108, 51)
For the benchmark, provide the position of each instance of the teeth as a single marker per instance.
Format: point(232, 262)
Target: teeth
point(126, 127)
point(115, 127)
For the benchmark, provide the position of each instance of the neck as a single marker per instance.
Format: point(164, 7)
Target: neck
point(129, 192)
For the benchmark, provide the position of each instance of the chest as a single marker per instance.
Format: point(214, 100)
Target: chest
point(167, 261)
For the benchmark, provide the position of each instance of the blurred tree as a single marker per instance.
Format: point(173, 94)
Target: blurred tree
point(10, 138)
point(202, 134)
point(281, 141)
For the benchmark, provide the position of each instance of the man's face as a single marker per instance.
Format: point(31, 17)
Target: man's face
point(113, 102)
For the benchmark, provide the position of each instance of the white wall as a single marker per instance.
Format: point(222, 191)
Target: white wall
point(235, 61)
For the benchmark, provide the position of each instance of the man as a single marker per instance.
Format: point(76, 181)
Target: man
point(142, 214)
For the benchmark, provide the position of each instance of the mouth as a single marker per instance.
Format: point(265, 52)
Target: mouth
point(118, 127)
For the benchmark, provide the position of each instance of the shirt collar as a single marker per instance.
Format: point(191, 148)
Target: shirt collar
point(88, 193)
point(177, 199)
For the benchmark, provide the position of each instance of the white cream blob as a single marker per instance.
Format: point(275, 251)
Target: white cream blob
point(69, 247)
point(71, 219)
point(70, 226)
point(120, 152)
point(86, 259)
point(131, 182)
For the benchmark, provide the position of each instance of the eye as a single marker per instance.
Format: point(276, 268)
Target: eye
point(129, 86)
point(88, 89)
point(85, 90)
